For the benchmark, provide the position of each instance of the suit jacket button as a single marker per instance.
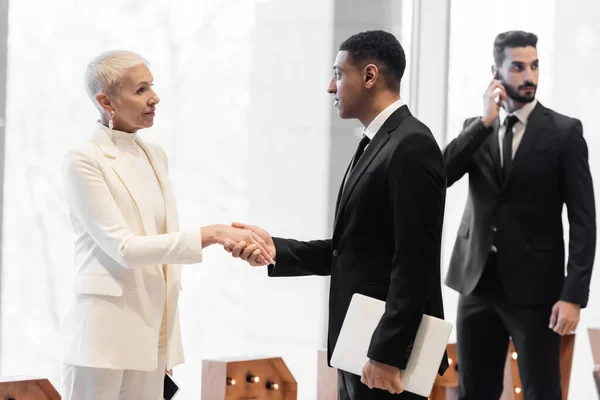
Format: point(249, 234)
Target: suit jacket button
point(335, 253)
point(494, 229)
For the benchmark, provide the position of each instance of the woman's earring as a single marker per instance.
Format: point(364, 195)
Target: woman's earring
point(110, 121)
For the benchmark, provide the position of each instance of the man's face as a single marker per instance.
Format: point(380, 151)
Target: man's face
point(519, 73)
point(347, 86)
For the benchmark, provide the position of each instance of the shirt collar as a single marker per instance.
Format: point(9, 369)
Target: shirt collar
point(522, 113)
point(379, 120)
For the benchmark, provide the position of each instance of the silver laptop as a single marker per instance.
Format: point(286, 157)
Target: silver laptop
point(364, 314)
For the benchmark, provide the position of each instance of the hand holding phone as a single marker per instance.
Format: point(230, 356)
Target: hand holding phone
point(492, 100)
point(499, 91)
point(497, 98)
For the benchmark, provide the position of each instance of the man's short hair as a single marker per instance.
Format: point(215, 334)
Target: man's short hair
point(512, 39)
point(380, 48)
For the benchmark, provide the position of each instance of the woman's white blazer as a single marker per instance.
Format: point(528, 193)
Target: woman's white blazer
point(119, 290)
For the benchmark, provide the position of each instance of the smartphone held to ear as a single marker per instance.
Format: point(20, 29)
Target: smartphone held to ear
point(497, 96)
point(497, 91)
point(170, 388)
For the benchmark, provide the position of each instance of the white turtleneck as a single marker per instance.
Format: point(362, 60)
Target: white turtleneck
point(138, 159)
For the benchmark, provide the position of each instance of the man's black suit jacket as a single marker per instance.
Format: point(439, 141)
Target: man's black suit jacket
point(521, 215)
point(386, 240)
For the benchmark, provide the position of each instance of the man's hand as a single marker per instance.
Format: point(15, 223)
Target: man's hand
point(491, 107)
point(241, 238)
point(381, 376)
point(565, 317)
point(250, 253)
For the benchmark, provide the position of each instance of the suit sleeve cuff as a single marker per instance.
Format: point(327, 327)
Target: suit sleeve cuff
point(392, 358)
point(191, 247)
point(575, 297)
point(281, 252)
point(477, 128)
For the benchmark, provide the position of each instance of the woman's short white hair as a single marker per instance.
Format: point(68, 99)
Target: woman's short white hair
point(104, 73)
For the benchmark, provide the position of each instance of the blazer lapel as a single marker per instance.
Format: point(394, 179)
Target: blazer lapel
point(160, 169)
point(535, 124)
point(339, 196)
point(129, 178)
point(380, 139)
point(346, 190)
point(171, 216)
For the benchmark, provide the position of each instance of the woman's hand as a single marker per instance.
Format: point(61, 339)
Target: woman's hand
point(246, 254)
point(240, 238)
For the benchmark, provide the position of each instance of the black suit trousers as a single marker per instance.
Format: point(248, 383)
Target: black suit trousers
point(485, 322)
point(351, 388)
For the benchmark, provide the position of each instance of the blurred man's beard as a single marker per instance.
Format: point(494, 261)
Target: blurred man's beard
point(513, 93)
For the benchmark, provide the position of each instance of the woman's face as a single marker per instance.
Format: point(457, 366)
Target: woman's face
point(135, 101)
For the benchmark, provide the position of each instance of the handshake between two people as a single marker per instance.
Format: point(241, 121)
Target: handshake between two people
point(247, 242)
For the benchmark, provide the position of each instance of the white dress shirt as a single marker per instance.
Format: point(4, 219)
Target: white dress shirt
point(375, 125)
point(379, 120)
point(522, 115)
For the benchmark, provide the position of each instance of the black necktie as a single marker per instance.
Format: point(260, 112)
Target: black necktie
point(507, 145)
point(359, 151)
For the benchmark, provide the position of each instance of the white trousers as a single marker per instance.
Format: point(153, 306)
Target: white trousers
point(85, 383)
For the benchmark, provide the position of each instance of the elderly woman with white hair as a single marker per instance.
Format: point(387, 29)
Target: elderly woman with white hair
point(121, 330)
